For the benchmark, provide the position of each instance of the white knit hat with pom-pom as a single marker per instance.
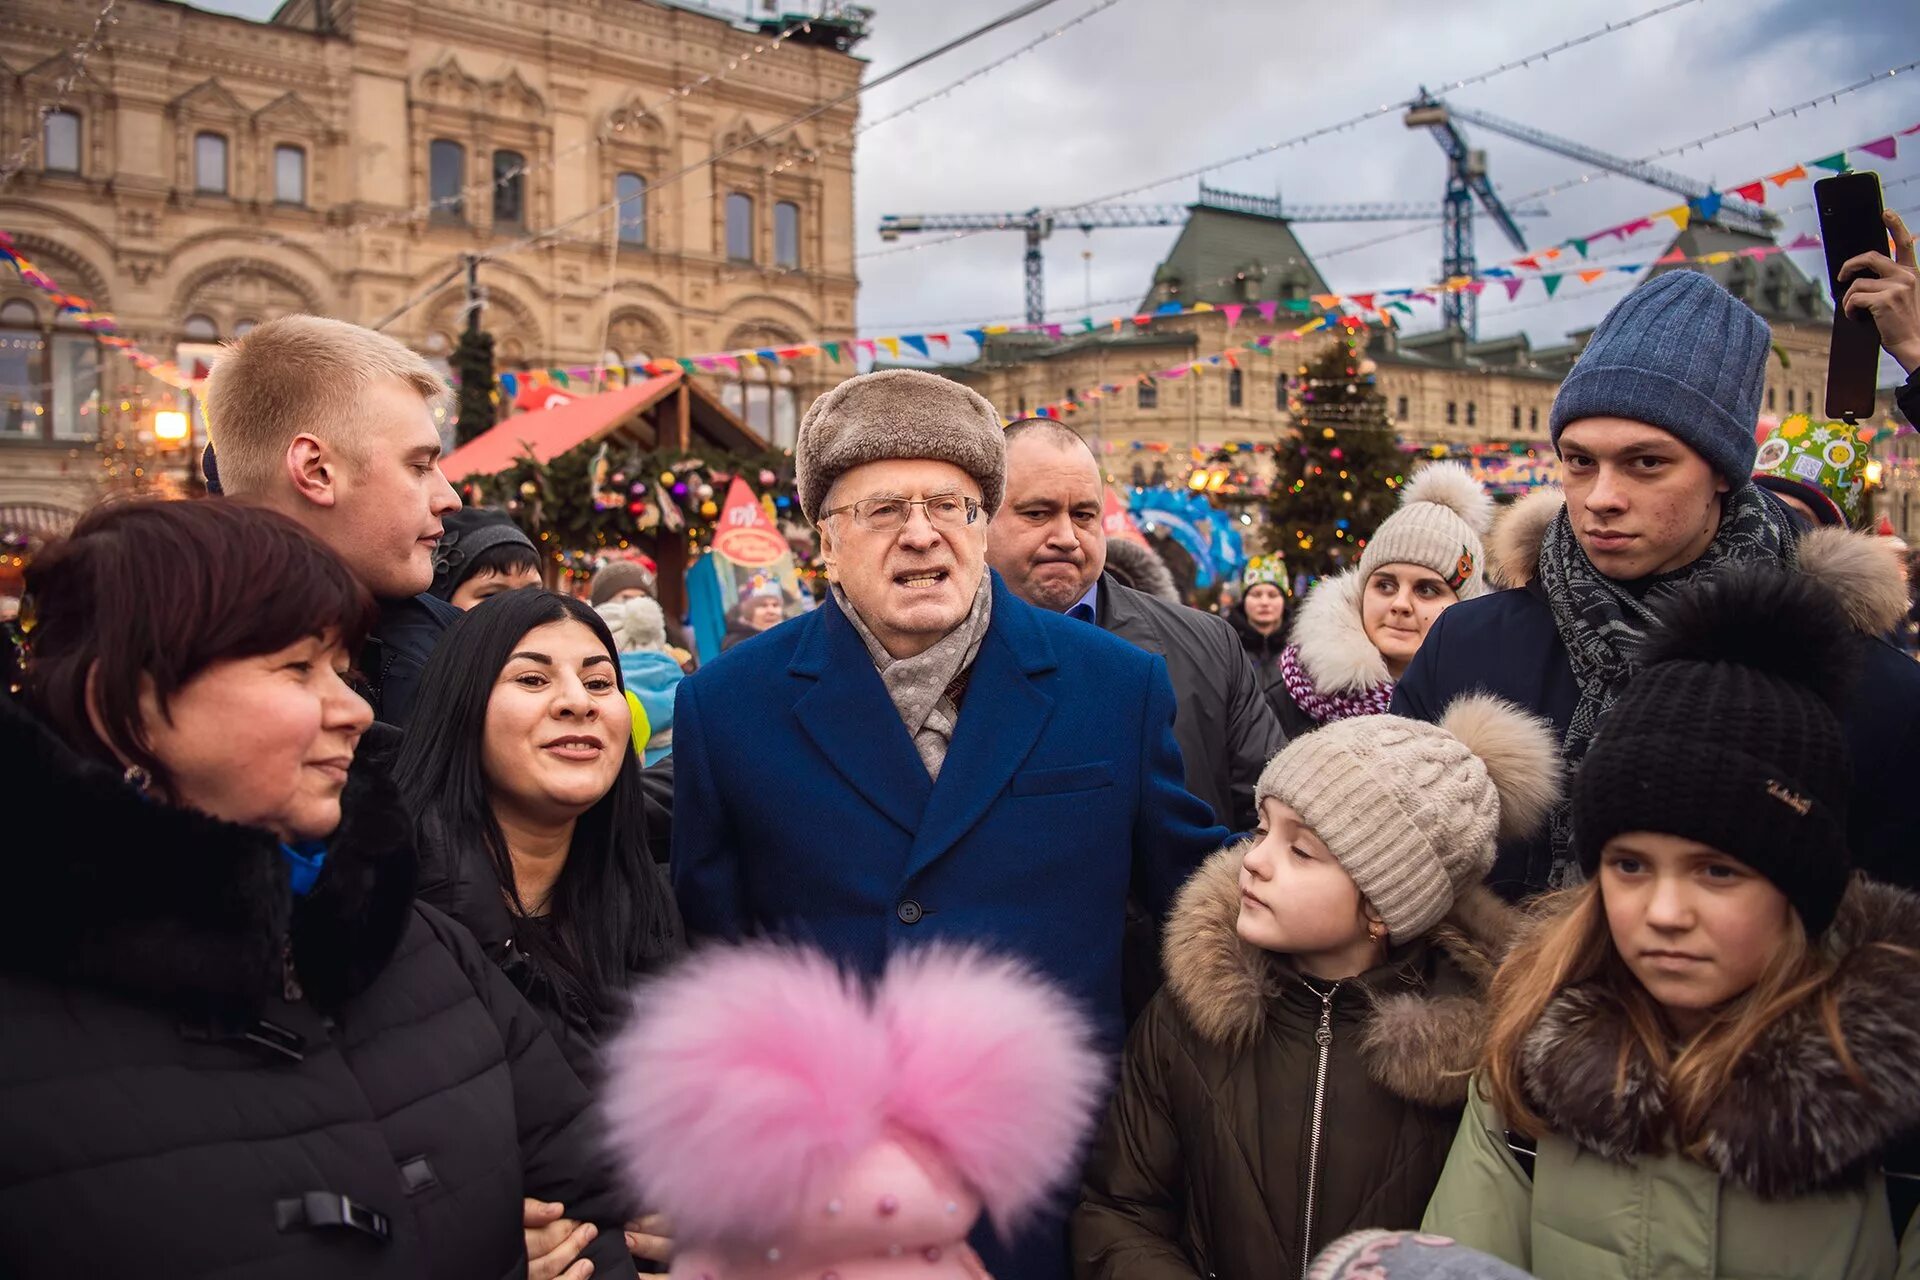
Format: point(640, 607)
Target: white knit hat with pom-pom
point(1411, 810)
point(1443, 515)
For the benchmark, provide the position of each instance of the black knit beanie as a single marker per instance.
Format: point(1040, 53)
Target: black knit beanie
point(1728, 735)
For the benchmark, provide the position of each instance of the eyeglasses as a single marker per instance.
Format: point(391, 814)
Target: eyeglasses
point(890, 515)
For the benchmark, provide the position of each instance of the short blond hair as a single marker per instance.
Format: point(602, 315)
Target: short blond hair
point(298, 374)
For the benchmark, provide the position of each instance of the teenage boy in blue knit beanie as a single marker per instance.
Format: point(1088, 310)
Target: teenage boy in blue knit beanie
point(1655, 431)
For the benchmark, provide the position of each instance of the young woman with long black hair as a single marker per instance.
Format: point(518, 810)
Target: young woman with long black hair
point(520, 771)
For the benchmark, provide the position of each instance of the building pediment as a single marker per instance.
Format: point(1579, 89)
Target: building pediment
point(210, 98)
point(510, 95)
point(290, 111)
point(634, 119)
point(61, 70)
point(448, 83)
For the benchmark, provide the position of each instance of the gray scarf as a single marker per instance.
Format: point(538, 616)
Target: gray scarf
point(926, 688)
point(1602, 622)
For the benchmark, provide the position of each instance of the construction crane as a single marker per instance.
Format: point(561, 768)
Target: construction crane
point(1467, 180)
point(1038, 224)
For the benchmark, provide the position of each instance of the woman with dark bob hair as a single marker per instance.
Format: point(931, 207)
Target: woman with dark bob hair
point(235, 1044)
point(519, 768)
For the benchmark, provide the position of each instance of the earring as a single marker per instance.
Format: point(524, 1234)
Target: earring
point(1375, 931)
point(137, 778)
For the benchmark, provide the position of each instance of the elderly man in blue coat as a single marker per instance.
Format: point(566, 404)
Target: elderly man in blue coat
point(927, 757)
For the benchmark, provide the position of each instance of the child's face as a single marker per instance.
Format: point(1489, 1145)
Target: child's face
point(1295, 897)
point(491, 582)
point(1695, 926)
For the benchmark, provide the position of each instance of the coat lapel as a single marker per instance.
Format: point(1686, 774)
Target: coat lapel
point(847, 713)
point(1001, 718)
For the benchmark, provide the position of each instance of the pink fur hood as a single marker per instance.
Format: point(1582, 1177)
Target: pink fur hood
point(795, 1124)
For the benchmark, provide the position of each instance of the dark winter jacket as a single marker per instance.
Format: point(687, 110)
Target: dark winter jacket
point(463, 883)
point(396, 653)
point(201, 1075)
point(1224, 1118)
point(1263, 651)
point(1793, 1184)
point(1226, 729)
point(1506, 643)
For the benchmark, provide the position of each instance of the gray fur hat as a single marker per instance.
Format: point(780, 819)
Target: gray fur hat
point(899, 413)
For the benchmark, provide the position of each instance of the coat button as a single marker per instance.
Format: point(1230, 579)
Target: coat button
point(909, 912)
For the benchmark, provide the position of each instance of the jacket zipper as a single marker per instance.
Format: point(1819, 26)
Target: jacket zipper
point(1322, 1036)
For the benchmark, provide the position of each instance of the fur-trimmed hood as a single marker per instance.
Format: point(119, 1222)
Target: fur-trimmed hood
point(1332, 639)
point(1421, 1045)
point(1142, 569)
point(144, 898)
point(1794, 1120)
point(1863, 571)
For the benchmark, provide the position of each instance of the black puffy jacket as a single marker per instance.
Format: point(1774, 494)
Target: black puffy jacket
point(201, 1075)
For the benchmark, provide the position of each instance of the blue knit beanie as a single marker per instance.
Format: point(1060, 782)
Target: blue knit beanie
point(1682, 354)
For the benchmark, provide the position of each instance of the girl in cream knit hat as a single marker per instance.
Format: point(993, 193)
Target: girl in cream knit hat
point(1358, 630)
point(1302, 1072)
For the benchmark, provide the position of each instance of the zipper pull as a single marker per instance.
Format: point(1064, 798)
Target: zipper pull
point(289, 979)
point(1323, 1035)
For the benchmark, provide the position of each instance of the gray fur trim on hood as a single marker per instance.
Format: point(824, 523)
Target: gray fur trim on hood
point(1142, 569)
point(1332, 638)
point(1794, 1119)
point(1865, 572)
point(1422, 1047)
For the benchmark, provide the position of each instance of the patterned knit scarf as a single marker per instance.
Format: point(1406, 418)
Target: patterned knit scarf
point(1324, 708)
point(1601, 622)
point(926, 688)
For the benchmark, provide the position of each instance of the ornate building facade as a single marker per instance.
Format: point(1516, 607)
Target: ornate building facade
point(196, 174)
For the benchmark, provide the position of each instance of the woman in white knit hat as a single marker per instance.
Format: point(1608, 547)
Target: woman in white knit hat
point(1299, 1075)
point(1358, 630)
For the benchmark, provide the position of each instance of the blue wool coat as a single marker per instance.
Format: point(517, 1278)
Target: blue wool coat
point(801, 808)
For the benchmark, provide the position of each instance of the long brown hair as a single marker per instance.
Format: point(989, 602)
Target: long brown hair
point(1570, 944)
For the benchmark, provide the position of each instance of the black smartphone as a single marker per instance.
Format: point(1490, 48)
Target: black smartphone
point(1850, 225)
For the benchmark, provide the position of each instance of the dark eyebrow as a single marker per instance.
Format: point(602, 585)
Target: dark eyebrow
point(425, 453)
point(531, 656)
point(596, 660)
point(1644, 448)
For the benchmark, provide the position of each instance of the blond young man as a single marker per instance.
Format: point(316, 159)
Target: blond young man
point(332, 425)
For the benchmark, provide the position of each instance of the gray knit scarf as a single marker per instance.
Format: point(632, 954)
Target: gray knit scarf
point(926, 688)
point(1601, 622)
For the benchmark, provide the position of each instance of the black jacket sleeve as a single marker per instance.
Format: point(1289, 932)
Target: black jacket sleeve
point(562, 1154)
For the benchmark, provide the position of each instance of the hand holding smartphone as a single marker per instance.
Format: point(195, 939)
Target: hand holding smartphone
point(1851, 224)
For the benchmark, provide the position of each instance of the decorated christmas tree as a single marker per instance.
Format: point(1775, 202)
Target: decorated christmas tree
point(1339, 477)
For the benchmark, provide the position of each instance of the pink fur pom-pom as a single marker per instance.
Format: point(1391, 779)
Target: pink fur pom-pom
point(994, 1068)
point(745, 1075)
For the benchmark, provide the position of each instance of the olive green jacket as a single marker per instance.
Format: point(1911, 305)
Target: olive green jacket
point(1794, 1187)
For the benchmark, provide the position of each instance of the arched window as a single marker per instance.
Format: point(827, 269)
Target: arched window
point(198, 328)
point(1472, 412)
point(509, 188)
point(786, 234)
point(630, 189)
point(739, 227)
point(1453, 413)
point(241, 328)
point(21, 349)
point(1401, 406)
point(1789, 399)
point(289, 175)
point(60, 142)
point(1147, 394)
point(1533, 418)
point(786, 410)
point(210, 163)
point(1236, 390)
point(446, 178)
point(1516, 417)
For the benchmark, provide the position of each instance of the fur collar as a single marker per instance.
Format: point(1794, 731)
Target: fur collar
point(1142, 569)
point(1792, 1122)
point(161, 902)
point(1865, 572)
point(1421, 1046)
point(1332, 640)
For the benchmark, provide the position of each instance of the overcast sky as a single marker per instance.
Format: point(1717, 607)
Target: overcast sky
point(1148, 88)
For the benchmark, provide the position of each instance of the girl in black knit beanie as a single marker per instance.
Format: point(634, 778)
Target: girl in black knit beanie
point(1699, 1061)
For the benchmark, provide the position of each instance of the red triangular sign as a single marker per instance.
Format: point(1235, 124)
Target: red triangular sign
point(743, 534)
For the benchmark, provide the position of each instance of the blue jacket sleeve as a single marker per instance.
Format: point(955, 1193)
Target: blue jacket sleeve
point(1173, 829)
point(1418, 695)
point(705, 867)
